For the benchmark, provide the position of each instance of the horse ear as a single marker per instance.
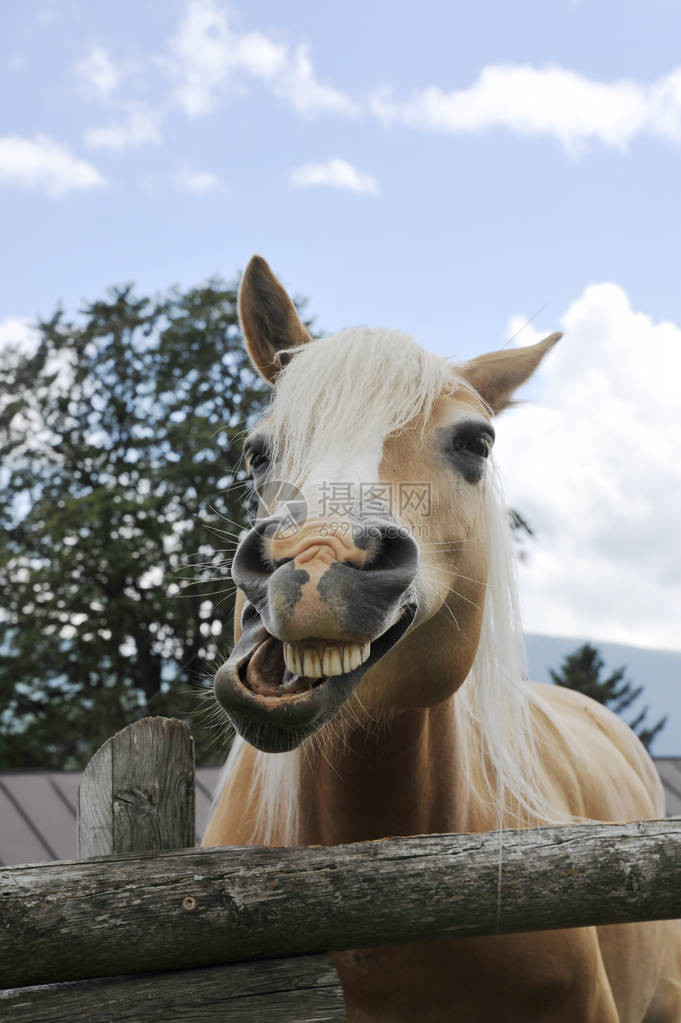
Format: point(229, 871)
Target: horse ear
point(268, 318)
point(497, 375)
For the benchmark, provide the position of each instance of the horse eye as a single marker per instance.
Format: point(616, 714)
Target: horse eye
point(480, 445)
point(257, 457)
point(473, 441)
point(258, 461)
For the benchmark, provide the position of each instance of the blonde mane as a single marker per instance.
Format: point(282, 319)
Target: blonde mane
point(350, 389)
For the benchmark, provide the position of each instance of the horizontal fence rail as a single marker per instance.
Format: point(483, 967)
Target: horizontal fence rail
point(299, 989)
point(134, 914)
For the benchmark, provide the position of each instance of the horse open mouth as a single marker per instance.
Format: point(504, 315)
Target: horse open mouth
point(276, 694)
point(284, 669)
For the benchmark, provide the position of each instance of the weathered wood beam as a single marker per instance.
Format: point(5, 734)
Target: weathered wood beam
point(299, 989)
point(199, 907)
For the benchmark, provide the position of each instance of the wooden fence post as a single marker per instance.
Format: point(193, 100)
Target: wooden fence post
point(137, 792)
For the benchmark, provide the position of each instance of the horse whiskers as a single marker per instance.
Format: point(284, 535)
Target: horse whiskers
point(211, 593)
point(318, 740)
point(200, 580)
point(445, 604)
point(241, 526)
point(231, 538)
point(205, 566)
point(211, 562)
point(347, 720)
point(237, 485)
point(370, 718)
point(225, 518)
point(207, 704)
point(207, 717)
point(214, 551)
point(458, 575)
point(461, 596)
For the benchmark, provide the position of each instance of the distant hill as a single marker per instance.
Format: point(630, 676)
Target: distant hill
point(658, 671)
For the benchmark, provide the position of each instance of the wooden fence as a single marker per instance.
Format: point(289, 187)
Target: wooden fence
point(145, 927)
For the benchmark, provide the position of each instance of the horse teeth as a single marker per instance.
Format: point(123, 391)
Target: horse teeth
point(313, 662)
point(352, 656)
point(293, 659)
point(312, 666)
point(332, 663)
point(355, 656)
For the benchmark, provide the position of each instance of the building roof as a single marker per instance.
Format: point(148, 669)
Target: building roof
point(669, 769)
point(38, 809)
point(38, 813)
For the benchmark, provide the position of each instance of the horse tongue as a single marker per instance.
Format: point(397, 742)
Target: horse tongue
point(297, 683)
point(267, 674)
point(265, 669)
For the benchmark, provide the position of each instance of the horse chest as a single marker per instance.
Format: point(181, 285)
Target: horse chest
point(520, 979)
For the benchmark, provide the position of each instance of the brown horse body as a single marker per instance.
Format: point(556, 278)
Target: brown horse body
point(403, 752)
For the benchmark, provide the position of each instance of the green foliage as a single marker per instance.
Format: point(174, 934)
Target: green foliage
point(582, 670)
point(120, 448)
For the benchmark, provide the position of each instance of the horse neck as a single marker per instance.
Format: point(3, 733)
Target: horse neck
point(396, 777)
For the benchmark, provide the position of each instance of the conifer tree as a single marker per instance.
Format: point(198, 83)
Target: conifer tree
point(582, 670)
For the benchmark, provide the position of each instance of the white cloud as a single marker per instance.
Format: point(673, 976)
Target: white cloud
point(297, 85)
point(595, 468)
point(207, 59)
point(99, 73)
point(44, 164)
point(139, 126)
point(335, 173)
point(197, 182)
point(135, 123)
point(545, 101)
point(206, 55)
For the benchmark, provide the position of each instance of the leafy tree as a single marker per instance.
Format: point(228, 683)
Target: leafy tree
point(119, 453)
point(582, 670)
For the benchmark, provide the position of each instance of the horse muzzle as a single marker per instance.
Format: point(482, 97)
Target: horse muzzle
point(275, 709)
point(312, 628)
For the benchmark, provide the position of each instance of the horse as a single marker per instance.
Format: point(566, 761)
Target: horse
point(377, 685)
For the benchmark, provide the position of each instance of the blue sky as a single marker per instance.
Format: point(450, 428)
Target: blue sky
point(445, 169)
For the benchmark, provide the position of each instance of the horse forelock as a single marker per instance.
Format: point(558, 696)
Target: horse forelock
point(349, 391)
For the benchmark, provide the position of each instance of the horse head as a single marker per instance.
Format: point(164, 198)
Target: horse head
point(369, 551)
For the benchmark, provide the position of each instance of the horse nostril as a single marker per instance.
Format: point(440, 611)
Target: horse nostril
point(390, 548)
point(388, 566)
point(250, 568)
